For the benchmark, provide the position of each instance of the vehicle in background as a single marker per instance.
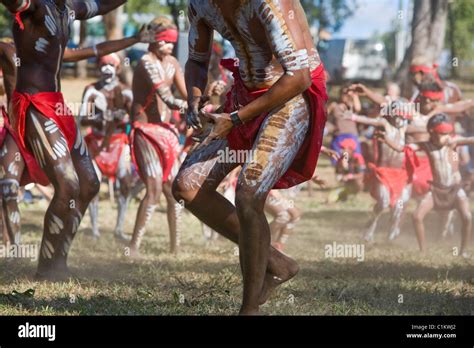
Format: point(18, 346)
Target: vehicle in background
point(354, 60)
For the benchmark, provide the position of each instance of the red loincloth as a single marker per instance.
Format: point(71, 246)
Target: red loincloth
point(395, 179)
point(243, 137)
point(51, 105)
point(422, 176)
point(107, 161)
point(164, 139)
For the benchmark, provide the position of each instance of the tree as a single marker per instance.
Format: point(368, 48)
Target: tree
point(428, 32)
point(328, 14)
point(6, 20)
point(460, 32)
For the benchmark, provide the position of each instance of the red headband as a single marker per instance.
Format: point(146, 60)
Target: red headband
point(433, 95)
point(427, 70)
point(168, 35)
point(443, 128)
point(112, 59)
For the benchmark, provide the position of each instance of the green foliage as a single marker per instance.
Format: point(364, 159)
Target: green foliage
point(460, 35)
point(329, 14)
point(5, 22)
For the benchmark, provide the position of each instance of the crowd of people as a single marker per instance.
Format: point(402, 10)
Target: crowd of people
point(163, 133)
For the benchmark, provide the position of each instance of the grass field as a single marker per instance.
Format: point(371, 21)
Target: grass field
point(393, 279)
point(205, 279)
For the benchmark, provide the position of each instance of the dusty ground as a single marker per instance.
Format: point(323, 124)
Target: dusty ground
point(393, 279)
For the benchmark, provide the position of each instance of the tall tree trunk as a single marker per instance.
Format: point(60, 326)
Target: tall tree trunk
point(452, 35)
point(113, 24)
point(428, 32)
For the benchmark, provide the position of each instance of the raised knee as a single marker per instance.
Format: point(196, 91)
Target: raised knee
point(68, 189)
point(181, 193)
point(90, 189)
point(417, 217)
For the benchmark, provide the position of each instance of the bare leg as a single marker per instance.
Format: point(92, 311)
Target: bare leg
point(12, 166)
point(196, 186)
point(124, 176)
point(150, 168)
point(276, 208)
point(75, 183)
point(381, 204)
point(289, 228)
point(397, 213)
point(171, 212)
point(462, 205)
point(94, 206)
point(447, 222)
point(425, 205)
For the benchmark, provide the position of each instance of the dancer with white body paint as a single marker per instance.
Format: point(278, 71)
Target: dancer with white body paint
point(446, 192)
point(276, 108)
point(25, 162)
point(154, 140)
point(106, 107)
point(43, 125)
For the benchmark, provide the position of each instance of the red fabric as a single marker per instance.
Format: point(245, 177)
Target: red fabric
point(3, 130)
point(359, 158)
point(164, 139)
point(395, 179)
point(17, 15)
point(243, 137)
point(433, 95)
point(443, 128)
point(107, 161)
point(51, 105)
point(169, 35)
point(348, 143)
point(422, 176)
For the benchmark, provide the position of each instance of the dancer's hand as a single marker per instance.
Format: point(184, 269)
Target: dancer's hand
point(358, 88)
point(193, 115)
point(146, 34)
point(222, 126)
point(330, 153)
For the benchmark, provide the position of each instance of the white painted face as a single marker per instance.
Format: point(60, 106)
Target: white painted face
point(165, 48)
point(108, 73)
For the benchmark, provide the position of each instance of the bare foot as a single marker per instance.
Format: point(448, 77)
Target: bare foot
point(282, 269)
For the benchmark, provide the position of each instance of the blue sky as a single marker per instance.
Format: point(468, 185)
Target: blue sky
point(370, 16)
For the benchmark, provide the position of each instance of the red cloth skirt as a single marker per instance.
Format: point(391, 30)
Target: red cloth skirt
point(243, 137)
point(51, 105)
point(107, 161)
point(164, 139)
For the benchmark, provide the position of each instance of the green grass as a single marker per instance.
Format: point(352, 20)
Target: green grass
point(205, 279)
